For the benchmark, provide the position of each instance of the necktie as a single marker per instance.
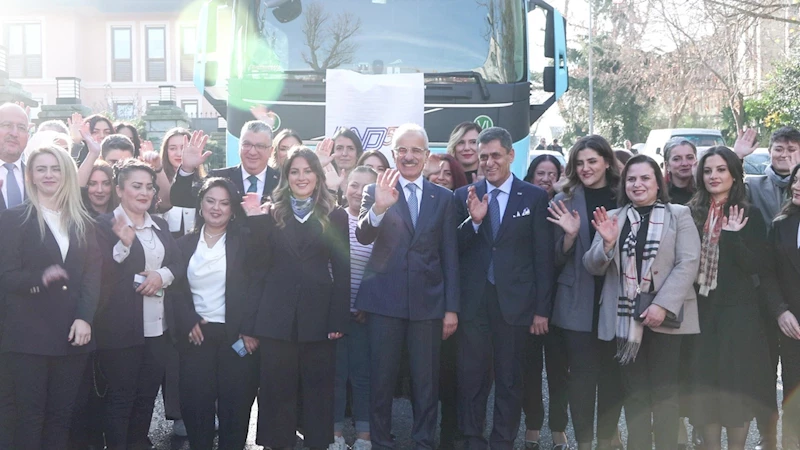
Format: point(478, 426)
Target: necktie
point(12, 188)
point(494, 218)
point(253, 184)
point(413, 203)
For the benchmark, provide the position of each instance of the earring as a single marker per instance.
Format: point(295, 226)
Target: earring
point(201, 213)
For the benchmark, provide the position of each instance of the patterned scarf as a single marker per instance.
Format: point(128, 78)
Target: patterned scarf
point(301, 208)
point(709, 248)
point(630, 330)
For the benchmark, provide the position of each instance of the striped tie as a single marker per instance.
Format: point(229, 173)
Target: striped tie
point(494, 217)
point(413, 203)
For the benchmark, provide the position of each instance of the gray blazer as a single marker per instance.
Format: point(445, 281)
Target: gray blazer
point(674, 272)
point(573, 307)
point(765, 195)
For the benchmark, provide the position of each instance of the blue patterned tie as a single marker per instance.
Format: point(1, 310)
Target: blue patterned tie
point(494, 217)
point(253, 184)
point(12, 188)
point(413, 203)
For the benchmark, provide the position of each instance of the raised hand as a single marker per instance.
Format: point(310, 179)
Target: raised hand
point(151, 158)
point(53, 274)
point(75, 124)
point(569, 221)
point(794, 158)
point(324, 151)
point(606, 226)
point(477, 208)
point(124, 232)
point(746, 143)
point(385, 193)
point(251, 203)
point(147, 146)
point(193, 155)
point(92, 146)
point(736, 219)
point(334, 180)
point(262, 113)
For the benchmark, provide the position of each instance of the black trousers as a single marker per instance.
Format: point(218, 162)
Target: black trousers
point(651, 387)
point(790, 363)
point(213, 377)
point(423, 338)
point(134, 376)
point(593, 373)
point(448, 392)
point(45, 389)
point(488, 343)
point(8, 408)
point(87, 417)
point(170, 390)
point(767, 410)
point(547, 349)
point(286, 368)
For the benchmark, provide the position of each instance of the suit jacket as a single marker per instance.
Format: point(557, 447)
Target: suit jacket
point(119, 322)
point(241, 303)
point(674, 272)
point(573, 307)
point(412, 273)
point(185, 188)
point(3, 206)
point(38, 318)
point(765, 195)
point(522, 253)
point(306, 284)
point(786, 257)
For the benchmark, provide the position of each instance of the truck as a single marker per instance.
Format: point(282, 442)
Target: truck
point(494, 62)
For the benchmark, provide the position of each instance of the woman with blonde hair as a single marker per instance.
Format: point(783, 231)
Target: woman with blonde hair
point(463, 145)
point(306, 307)
point(50, 277)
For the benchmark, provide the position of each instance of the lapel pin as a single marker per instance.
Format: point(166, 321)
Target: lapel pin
point(519, 193)
point(432, 196)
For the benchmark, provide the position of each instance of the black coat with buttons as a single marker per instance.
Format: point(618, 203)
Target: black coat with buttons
point(119, 322)
point(37, 317)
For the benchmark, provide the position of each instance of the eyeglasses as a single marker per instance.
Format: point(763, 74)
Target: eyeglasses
point(415, 151)
point(247, 146)
point(8, 126)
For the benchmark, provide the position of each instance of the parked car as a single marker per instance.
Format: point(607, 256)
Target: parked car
point(702, 138)
point(756, 162)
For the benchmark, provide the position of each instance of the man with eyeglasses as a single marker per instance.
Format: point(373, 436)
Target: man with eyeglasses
point(410, 288)
point(13, 139)
point(252, 175)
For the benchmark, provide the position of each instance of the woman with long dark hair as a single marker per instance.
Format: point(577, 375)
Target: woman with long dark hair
point(50, 278)
point(127, 129)
point(304, 307)
point(180, 220)
point(375, 160)
point(213, 312)
point(730, 357)
point(649, 251)
point(592, 182)
point(451, 174)
point(544, 171)
point(140, 259)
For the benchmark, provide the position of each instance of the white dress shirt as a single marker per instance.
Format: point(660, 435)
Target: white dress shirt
point(155, 322)
point(261, 179)
point(206, 275)
point(375, 220)
point(502, 198)
point(17, 175)
point(53, 221)
point(177, 215)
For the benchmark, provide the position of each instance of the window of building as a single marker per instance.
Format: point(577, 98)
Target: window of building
point(124, 110)
point(156, 48)
point(121, 63)
point(24, 42)
point(191, 107)
point(188, 48)
point(152, 103)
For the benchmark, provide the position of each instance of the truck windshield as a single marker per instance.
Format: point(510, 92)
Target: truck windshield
point(388, 36)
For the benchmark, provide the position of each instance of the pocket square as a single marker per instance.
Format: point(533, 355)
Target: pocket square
point(523, 213)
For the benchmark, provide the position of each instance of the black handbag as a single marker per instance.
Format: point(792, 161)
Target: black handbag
point(643, 301)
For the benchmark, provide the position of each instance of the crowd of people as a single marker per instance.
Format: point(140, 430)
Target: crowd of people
point(314, 279)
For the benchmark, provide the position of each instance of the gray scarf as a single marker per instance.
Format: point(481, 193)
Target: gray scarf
point(301, 208)
point(781, 181)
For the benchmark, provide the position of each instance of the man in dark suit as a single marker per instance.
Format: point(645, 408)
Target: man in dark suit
point(410, 285)
point(13, 139)
point(252, 175)
point(507, 275)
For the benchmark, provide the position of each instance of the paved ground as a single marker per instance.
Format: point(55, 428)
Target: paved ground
point(160, 431)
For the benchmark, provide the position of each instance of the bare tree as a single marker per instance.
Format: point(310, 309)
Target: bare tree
point(778, 10)
point(330, 36)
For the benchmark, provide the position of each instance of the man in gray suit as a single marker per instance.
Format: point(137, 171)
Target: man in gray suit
point(13, 139)
point(410, 287)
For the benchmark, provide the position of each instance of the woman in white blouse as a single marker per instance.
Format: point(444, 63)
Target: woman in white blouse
point(214, 321)
point(140, 259)
point(50, 280)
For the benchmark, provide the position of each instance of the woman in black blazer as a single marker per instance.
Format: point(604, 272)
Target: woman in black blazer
point(785, 237)
point(214, 310)
point(304, 306)
point(50, 278)
point(140, 259)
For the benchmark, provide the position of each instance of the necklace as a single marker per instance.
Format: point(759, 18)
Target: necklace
point(149, 243)
point(213, 236)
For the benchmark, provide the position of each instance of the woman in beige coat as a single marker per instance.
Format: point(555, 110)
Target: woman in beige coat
point(649, 252)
